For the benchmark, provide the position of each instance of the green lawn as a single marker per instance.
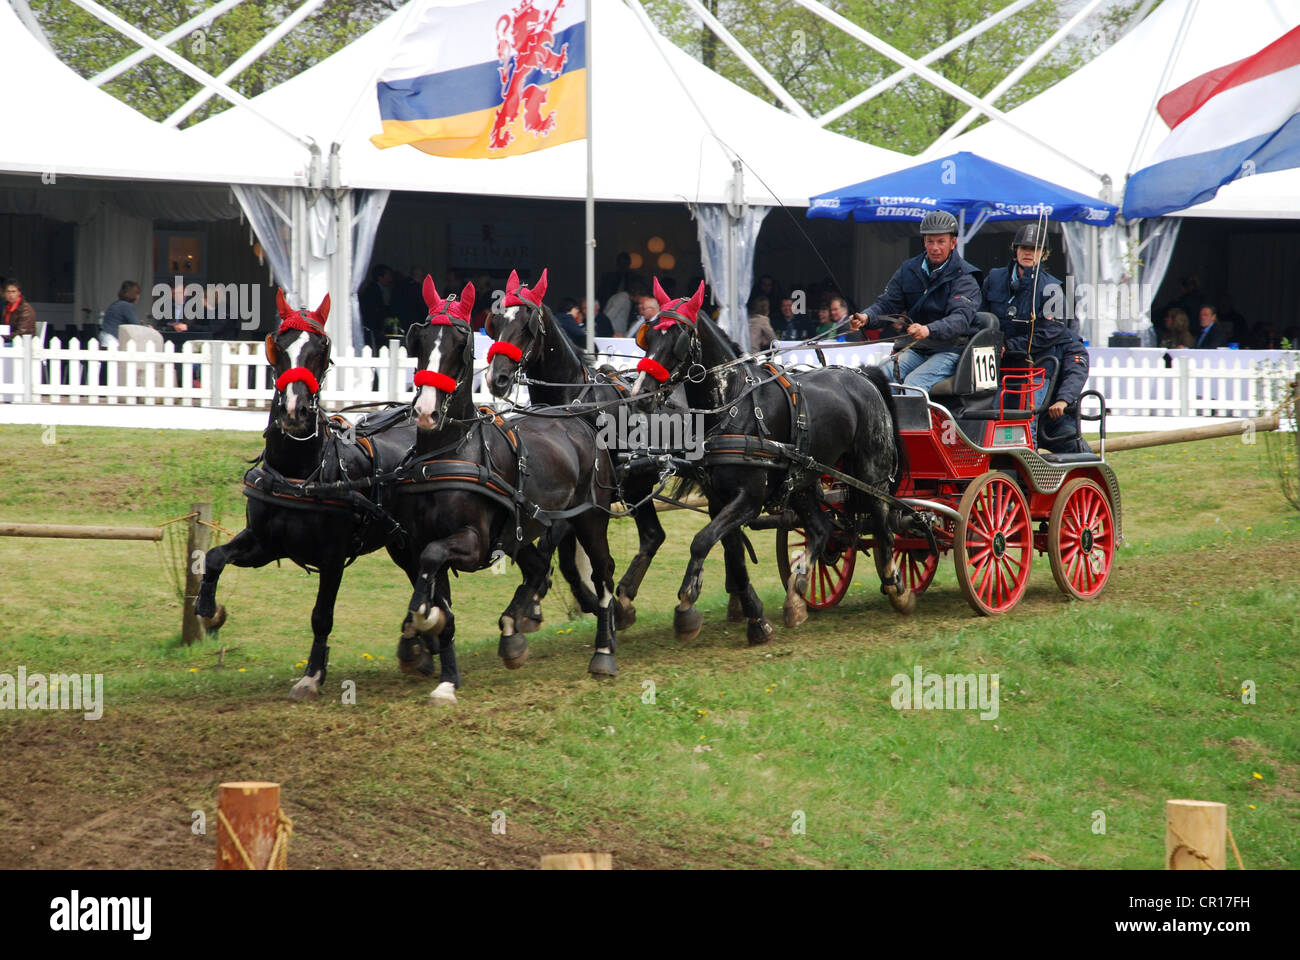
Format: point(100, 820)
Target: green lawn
point(1112, 706)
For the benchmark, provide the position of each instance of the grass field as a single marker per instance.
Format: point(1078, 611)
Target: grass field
point(1109, 707)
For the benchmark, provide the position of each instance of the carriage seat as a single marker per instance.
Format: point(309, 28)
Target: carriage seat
point(974, 384)
point(1062, 432)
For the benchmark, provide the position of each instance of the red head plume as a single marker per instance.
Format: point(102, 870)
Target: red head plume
point(462, 308)
point(518, 295)
point(290, 319)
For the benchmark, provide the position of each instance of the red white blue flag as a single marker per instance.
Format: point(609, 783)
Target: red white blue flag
point(1238, 120)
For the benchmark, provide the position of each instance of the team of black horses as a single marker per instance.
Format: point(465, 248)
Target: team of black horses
point(444, 485)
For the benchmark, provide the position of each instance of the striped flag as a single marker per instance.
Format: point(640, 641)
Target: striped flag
point(492, 78)
point(1235, 121)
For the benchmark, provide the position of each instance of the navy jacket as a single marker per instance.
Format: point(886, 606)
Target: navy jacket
point(1007, 294)
point(1211, 338)
point(945, 300)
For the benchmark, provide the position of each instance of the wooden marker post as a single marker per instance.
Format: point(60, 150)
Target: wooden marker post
point(577, 861)
point(1194, 835)
point(249, 833)
point(199, 539)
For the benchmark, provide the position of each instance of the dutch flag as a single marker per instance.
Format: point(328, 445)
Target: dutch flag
point(1238, 120)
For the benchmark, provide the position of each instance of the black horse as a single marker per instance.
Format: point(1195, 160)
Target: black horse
point(756, 417)
point(509, 487)
point(304, 446)
point(530, 341)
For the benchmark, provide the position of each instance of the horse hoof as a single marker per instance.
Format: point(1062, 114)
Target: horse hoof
point(904, 602)
point(624, 613)
point(214, 622)
point(602, 665)
point(414, 657)
point(308, 688)
point(513, 650)
point(687, 623)
point(795, 610)
point(444, 694)
point(758, 631)
point(429, 619)
point(529, 625)
point(735, 612)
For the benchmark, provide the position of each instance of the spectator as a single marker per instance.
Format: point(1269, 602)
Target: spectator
point(646, 309)
point(766, 287)
point(824, 321)
point(120, 311)
point(571, 321)
point(839, 310)
point(19, 316)
point(604, 326)
point(790, 325)
point(1177, 335)
point(761, 333)
point(379, 304)
point(1212, 335)
point(173, 319)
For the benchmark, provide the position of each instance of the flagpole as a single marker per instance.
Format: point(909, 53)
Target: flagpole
point(591, 205)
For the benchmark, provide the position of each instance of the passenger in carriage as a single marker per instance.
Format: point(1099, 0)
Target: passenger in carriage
point(1027, 301)
point(940, 294)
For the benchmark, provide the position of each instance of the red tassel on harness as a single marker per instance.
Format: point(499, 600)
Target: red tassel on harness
point(439, 381)
point(505, 349)
point(294, 374)
point(654, 368)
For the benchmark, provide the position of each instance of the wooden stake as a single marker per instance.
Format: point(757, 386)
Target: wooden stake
point(66, 531)
point(252, 809)
point(1159, 438)
point(577, 861)
point(199, 539)
point(1194, 835)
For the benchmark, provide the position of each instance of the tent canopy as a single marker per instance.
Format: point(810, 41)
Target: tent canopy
point(963, 183)
point(650, 142)
point(1096, 114)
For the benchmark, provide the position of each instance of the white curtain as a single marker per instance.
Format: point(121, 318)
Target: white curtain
point(111, 247)
point(714, 224)
point(369, 210)
point(1130, 262)
point(269, 210)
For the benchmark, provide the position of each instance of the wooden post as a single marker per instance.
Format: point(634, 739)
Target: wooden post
point(199, 539)
point(252, 809)
point(1194, 835)
point(1140, 441)
point(1295, 416)
point(577, 861)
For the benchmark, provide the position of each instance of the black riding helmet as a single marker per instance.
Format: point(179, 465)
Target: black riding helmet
point(1030, 236)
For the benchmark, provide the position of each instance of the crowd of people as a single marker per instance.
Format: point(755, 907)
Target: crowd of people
point(1194, 321)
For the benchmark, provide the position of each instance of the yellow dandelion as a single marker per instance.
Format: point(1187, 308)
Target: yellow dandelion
point(243, 669)
point(1251, 805)
point(1257, 776)
point(194, 669)
point(368, 656)
point(702, 713)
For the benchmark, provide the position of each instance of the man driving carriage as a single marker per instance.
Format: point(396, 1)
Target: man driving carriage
point(1027, 301)
point(937, 294)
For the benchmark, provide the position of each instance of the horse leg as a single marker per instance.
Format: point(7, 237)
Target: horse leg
point(900, 597)
point(322, 622)
point(449, 678)
point(652, 537)
point(817, 529)
point(513, 647)
point(414, 655)
point(592, 529)
point(528, 615)
point(740, 588)
point(687, 621)
point(576, 578)
point(243, 550)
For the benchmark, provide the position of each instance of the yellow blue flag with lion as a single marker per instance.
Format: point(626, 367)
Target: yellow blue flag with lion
point(489, 78)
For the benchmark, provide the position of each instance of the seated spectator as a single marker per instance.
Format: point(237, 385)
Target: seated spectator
point(839, 310)
point(824, 321)
point(761, 333)
point(1177, 336)
point(379, 304)
point(766, 287)
point(646, 308)
point(120, 311)
point(18, 314)
point(790, 325)
point(618, 310)
point(571, 321)
point(1212, 335)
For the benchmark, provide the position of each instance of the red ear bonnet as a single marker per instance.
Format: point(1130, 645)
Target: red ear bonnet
point(520, 296)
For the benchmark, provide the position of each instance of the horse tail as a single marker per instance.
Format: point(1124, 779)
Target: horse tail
point(881, 383)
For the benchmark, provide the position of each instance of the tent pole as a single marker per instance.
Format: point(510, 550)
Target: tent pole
point(590, 240)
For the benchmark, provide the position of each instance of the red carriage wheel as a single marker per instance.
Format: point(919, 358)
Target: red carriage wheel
point(1081, 539)
point(993, 543)
point(827, 581)
point(916, 567)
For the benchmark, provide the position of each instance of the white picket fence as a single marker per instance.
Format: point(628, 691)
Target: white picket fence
point(235, 375)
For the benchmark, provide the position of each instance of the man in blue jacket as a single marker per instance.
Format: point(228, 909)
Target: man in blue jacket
point(1028, 302)
point(939, 293)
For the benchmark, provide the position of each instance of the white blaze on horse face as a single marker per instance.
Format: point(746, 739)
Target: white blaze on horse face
point(294, 350)
point(426, 402)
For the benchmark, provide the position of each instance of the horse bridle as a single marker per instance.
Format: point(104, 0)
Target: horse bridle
point(686, 352)
point(522, 358)
point(302, 374)
point(445, 318)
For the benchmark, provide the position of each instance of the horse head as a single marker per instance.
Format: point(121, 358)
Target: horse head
point(519, 333)
point(299, 353)
point(670, 339)
point(444, 347)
